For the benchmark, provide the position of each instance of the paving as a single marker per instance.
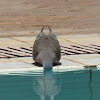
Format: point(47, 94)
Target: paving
point(81, 50)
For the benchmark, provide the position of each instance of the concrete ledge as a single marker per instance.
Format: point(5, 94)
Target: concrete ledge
point(22, 71)
point(88, 60)
point(39, 70)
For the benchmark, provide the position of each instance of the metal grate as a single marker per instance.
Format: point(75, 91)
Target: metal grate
point(10, 52)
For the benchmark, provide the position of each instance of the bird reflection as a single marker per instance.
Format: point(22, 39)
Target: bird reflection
point(91, 93)
point(47, 85)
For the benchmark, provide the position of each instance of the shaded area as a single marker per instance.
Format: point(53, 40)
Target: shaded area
point(54, 64)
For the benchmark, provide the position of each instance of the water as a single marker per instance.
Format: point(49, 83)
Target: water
point(81, 84)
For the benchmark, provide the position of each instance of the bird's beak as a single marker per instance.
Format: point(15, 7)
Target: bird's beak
point(42, 29)
point(50, 30)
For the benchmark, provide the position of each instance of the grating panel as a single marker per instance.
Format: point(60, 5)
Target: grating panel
point(92, 47)
point(73, 49)
point(25, 52)
point(89, 48)
point(27, 48)
point(66, 52)
point(98, 45)
point(5, 55)
point(10, 52)
point(82, 48)
point(1, 56)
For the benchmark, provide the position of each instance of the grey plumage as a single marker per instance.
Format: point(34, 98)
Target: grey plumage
point(46, 49)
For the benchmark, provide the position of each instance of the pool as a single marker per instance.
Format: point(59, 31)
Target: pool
point(62, 84)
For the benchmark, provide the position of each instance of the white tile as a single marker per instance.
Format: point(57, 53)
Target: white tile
point(14, 65)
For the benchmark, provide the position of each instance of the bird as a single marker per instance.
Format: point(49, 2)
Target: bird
point(46, 49)
point(47, 85)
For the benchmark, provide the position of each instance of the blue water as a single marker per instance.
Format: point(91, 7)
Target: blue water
point(50, 85)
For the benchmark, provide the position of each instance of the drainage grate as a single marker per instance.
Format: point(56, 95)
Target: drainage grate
point(10, 52)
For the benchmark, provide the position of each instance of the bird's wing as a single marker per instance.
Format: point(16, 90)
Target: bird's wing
point(35, 46)
point(55, 46)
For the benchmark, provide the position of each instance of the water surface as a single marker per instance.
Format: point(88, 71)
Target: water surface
point(81, 84)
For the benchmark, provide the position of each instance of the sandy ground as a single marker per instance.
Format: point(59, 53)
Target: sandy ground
point(26, 17)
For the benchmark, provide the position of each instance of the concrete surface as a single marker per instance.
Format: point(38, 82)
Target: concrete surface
point(88, 60)
point(26, 17)
point(63, 39)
